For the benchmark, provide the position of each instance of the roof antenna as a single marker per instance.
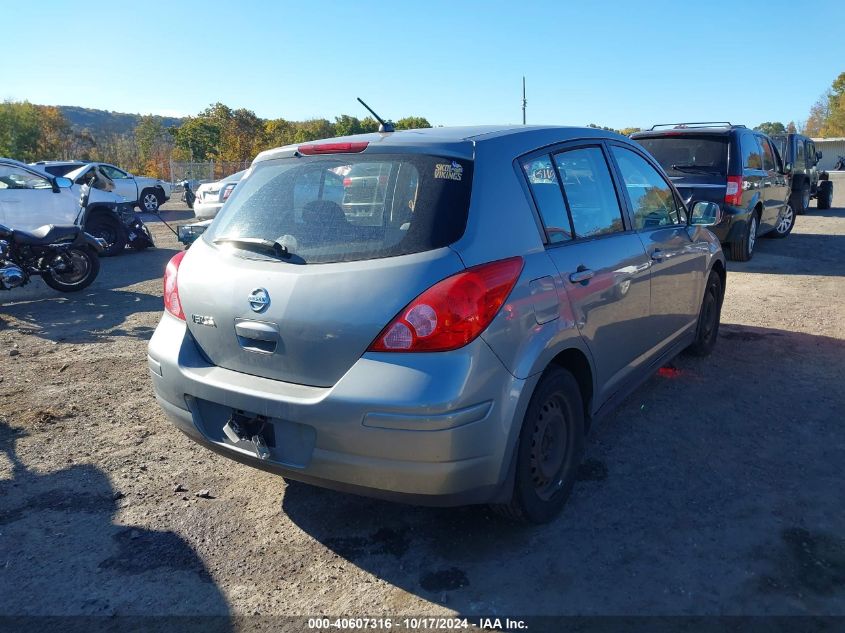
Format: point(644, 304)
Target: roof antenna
point(383, 126)
point(524, 101)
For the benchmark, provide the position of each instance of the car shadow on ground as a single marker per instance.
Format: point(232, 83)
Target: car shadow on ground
point(678, 510)
point(798, 254)
point(64, 520)
point(101, 309)
point(83, 317)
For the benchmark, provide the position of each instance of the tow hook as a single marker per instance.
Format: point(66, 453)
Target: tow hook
point(241, 429)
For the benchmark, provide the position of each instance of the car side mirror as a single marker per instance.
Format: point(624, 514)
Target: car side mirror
point(818, 156)
point(61, 183)
point(705, 214)
point(787, 168)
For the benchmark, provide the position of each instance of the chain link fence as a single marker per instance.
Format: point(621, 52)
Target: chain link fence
point(208, 171)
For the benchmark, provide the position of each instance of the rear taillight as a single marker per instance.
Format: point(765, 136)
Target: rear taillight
point(733, 193)
point(171, 287)
point(347, 182)
point(453, 312)
point(228, 191)
point(333, 148)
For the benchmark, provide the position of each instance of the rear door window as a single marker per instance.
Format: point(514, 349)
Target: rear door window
point(590, 193)
point(337, 208)
point(653, 202)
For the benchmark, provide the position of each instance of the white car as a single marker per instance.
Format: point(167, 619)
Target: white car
point(31, 198)
point(147, 193)
point(212, 195)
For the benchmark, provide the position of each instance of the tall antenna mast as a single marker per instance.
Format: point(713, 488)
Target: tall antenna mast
point(524, 101)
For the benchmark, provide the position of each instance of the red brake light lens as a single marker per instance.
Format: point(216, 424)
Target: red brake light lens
point(333, 148)
point(733, 193)
point(172, 304)
point(228, 191)
point(453, 312)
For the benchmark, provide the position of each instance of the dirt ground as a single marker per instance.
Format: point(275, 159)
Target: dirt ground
point(717, 488)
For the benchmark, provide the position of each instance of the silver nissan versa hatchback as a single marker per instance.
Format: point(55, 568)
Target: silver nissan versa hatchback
point(434, 316)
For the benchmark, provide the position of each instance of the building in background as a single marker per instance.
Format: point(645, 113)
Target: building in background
point(831, 149)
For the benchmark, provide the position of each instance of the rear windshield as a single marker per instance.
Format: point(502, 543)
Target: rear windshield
point(348, 207)
point(686, 155)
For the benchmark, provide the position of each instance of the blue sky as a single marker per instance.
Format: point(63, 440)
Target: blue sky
point(460, 62)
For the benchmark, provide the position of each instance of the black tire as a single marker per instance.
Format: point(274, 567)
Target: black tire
point(800, 199)
point(75, 279)
point(784, 226)
point(551, 445)
point(111, 230)
point(709, 317)
point(150, 200)
point(825, 196)
point(743, 249)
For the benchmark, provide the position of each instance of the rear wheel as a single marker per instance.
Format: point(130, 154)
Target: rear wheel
point(551, 444)
point(72, 270)
point(709, 317)
point(800, 199)
point(111, 230)
point(825, 196)
point(785, 224)
point(150, 201)
point(743, 249)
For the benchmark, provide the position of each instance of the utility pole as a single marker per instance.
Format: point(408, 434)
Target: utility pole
point(524, 102)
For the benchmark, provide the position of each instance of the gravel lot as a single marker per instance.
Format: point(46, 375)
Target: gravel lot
point(717, 488)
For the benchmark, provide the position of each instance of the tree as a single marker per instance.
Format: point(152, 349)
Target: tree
point(278, 132)
point(20, 131)
point(412, 123)
point(627, 131)
point(790, 127)
point(199, 138)
point(771, 128)
point(819, 114)
point(601, 127)
point(312, 130)
point(55, 137)
point(154, 144)
point(346, 125)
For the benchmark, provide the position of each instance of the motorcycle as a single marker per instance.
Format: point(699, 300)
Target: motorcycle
point(840, 163)
point(65, 257)
point(130, 230)
point(188, 195)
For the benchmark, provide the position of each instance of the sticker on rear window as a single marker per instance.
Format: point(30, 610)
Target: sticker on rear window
point(446, 171)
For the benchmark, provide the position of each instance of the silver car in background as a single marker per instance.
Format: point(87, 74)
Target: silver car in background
point(445, 332)
point(212, 195)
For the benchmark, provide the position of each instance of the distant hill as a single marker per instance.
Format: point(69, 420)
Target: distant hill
point(105, 122)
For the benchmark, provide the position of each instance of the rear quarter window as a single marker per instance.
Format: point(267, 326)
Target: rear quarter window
point(350, 207)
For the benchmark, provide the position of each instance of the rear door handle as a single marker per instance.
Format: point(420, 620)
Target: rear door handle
point(582, 275)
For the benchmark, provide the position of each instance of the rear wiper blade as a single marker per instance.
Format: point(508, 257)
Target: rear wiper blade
point(699, 168)
point(278, 249)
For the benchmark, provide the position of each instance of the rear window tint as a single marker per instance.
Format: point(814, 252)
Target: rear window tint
point(686, 155)
point(349, 207)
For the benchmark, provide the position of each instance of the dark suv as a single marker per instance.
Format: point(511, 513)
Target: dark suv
point(807, 182)
point(733, 166)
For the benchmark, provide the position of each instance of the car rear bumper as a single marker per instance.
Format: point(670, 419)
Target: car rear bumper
point(206, 210)
point(433, 429)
